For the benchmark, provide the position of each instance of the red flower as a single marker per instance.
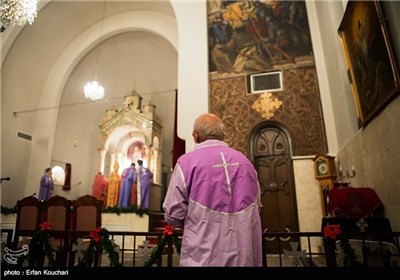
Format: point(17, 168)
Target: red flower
point(96, 234)
point(168, 230)
point(45, 226)
point(332, 231)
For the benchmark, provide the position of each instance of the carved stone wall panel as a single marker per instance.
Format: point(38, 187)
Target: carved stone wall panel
point(297, 107)
point(231, 103)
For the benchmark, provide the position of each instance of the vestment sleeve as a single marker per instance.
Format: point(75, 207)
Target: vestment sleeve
point(175, 205)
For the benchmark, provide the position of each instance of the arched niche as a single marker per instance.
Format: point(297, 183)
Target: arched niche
point(58, 174)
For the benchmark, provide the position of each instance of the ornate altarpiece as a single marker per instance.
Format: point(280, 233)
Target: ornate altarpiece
point(130, 133)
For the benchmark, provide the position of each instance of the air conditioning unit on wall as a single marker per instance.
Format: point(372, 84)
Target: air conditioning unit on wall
point(268, 81)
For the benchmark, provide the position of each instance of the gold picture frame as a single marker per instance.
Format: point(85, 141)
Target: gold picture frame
point(372, 69)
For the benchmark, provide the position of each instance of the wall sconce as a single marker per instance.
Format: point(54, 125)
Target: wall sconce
point(346, 175)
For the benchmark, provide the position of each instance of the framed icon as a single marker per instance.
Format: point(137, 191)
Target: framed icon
point(372, 69)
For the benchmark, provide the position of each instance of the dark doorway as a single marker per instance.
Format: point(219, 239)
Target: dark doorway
point(272, 158)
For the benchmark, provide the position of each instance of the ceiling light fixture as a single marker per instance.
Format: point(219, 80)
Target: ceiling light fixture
point(93, 90)
point(17, 12)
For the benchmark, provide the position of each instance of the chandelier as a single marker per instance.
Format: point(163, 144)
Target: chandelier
point(93, 90)
point(17, 12)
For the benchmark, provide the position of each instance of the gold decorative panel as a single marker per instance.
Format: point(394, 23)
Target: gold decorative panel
point(297, 107)
point(266, 105)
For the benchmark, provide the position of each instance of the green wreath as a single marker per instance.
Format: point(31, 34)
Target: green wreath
point(168, 235)
point(100, 239)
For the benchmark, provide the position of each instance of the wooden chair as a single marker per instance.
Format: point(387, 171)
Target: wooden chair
point(57, 211)
point(86, 216)
point(29, 216)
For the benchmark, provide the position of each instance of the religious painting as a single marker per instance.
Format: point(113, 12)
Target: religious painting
point(253, 36)
point(372, 70)
point(137, 151)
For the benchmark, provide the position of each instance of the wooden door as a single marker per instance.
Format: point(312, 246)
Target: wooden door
point(271, 154)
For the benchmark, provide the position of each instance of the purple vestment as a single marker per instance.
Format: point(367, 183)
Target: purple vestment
point(214, 195)
point(145, 184)
point(46, 187)
point(128, 178)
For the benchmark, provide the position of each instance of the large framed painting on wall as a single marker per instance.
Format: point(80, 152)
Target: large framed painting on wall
point(254, 36)
point(372, 69)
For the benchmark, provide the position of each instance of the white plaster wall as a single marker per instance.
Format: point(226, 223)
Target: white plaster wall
point(309, 200)
point(192, 65)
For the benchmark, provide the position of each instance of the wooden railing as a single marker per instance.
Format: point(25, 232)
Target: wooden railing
point(296, 249)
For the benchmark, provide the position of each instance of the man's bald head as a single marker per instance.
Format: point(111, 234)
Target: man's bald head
point(208, 126)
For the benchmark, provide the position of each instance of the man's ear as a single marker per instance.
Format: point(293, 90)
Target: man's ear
point(195, 137)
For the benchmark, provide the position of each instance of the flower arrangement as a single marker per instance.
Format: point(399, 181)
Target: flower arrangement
point(168, 236)
point(100, 240)
point(334, 232)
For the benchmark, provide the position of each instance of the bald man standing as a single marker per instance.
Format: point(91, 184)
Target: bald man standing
point(214, 195)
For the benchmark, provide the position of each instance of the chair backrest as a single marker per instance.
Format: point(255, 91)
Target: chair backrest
point(29, 216)
point(86, 213)
point(57, 211)
point(86, 216)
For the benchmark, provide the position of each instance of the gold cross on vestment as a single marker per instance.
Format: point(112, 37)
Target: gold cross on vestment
point(225, 165)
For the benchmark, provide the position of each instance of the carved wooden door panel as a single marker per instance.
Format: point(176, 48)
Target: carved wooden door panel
point(272, 158)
